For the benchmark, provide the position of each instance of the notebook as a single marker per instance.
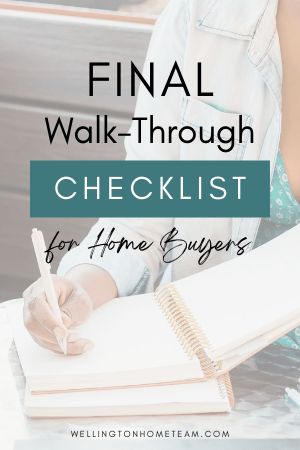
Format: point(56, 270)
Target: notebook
point(190, 330)
point(212, 396)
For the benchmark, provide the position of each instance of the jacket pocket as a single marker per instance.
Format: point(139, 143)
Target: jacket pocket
point(211, 121)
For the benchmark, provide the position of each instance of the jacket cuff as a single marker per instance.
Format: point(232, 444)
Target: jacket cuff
point(129, 272)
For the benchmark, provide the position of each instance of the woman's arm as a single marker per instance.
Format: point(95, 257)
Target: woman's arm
point(96, 282)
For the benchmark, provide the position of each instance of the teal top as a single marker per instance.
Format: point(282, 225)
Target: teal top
point(284, 214)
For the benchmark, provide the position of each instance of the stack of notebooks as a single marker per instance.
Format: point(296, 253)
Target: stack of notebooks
point(169, 352)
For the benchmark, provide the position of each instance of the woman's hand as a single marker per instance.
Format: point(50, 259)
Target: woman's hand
point(75, 305)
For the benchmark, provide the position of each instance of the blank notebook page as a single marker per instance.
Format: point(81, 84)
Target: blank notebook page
point(247, 296)
point(130, 334)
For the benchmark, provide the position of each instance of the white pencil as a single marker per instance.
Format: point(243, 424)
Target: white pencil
point(39, 249)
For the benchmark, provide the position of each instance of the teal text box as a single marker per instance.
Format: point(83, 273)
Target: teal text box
point(59, 188)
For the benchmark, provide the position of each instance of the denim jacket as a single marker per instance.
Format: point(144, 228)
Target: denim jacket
point(238, 45)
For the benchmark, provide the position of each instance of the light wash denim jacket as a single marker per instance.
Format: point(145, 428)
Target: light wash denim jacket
point(237, 43)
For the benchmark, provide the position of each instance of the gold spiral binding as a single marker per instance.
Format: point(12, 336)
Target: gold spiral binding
point(225, 388)
point(191, 337)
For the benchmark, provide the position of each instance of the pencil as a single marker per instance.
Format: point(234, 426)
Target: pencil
point(39, 249)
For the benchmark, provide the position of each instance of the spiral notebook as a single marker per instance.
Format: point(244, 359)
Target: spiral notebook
point(190, 330)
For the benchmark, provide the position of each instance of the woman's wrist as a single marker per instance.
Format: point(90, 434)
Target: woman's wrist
point(97, 282)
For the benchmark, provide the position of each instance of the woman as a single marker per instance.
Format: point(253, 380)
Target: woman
point(242, 46)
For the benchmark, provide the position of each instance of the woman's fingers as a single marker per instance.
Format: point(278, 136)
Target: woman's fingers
point(42, 313)
point(36, 329)
point(77, 308)
point(41, 322)
point(48, 330)
point(76, 347)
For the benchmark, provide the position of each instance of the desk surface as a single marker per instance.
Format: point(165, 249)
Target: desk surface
point(260, 411)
